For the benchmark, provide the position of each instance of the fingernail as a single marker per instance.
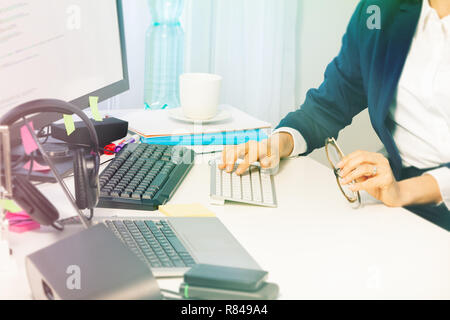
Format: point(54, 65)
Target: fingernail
point(339, 165)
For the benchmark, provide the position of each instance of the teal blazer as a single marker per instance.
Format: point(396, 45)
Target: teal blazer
point(365, 74)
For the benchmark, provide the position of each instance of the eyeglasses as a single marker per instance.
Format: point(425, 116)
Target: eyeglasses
point(335, 155)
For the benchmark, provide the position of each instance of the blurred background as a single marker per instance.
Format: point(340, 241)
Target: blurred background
point(269, 52)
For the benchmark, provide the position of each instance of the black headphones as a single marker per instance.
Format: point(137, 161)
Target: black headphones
point(85, 166)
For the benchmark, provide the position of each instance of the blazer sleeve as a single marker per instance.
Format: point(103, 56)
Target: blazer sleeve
point(340, 97)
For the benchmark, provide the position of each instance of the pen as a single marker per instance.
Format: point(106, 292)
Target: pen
point(133, 139)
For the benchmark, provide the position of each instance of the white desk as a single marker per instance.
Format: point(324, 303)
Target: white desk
point(313, 244)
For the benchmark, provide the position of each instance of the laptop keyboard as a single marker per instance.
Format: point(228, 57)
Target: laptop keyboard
point(153, 241)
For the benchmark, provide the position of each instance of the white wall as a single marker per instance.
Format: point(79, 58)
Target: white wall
point(322, 26)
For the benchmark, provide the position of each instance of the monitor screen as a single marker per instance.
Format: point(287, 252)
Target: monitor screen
point(60, 49)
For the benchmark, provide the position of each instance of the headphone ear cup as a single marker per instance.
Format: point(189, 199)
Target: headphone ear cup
point(94, 179)
point(81, 179)
point(85, 169)
point(33, 202)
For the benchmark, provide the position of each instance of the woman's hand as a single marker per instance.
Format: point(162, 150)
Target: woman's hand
point(372, 173)
point(267, 152)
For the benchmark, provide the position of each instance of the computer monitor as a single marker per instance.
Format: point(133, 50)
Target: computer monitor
point(61, 49)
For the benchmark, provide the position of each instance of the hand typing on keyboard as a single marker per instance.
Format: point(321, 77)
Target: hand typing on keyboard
point(267, 152)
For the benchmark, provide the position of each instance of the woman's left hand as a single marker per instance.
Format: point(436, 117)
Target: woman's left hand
point(372, 173)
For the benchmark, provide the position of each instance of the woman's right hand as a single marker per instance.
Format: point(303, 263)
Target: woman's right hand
point(267, 152)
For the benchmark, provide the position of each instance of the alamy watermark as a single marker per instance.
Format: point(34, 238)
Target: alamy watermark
point(73, 17)
point(73, 281)
point(374, 278)
point(374, 20)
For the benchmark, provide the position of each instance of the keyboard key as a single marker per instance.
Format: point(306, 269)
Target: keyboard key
point(148, 196)
point(160, 180)
point(159, 252)
point(177, 245)
point(125, 195)
point(226, 184)
point(172, 254)
point(136, 195)
point(151, 225)
point(256, 184)
point(167, 264)
point(115, 193)
point(267, 192)
point(218, 182)
point(167, 232)
point(246, 187)
point(156, 264)
point(178, 264)
point(104, 193)
point(236, 186)
point(184, 255)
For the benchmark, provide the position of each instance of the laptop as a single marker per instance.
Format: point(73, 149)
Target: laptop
point(171, 246)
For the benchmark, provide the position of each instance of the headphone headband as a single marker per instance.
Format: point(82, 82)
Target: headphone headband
point(49, 105)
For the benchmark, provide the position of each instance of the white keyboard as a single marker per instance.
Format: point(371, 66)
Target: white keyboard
point(256, 186)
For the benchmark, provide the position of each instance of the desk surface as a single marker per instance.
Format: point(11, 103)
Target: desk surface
point(313, 245)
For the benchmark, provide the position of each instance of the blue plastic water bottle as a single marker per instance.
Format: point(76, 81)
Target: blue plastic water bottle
point(164, 55)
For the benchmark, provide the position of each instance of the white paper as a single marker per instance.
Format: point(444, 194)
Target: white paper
point(154, 123)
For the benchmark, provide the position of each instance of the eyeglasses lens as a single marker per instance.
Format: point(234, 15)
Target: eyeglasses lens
point(335, 157)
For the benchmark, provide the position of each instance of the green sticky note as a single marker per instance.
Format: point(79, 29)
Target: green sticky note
point(10, 206)
point(70, 125)
point(93, 102)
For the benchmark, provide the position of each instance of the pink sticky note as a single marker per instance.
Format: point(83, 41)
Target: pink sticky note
point(21, 214)
point(36, 166)
point(16, 219)
point(24, 226)
point(27, 140)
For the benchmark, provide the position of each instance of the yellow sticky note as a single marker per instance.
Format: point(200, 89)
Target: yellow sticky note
point(186, 210)
point(70, 125)
point(10, 206)
point(93, 102)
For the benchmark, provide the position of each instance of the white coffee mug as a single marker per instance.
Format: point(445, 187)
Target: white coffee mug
point(200, 95)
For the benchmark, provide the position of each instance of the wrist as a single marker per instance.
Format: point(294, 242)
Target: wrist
point(419, 190)
point(404, 194)
point(285, 143)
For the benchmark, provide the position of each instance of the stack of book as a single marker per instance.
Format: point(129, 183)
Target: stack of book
point(158, 127)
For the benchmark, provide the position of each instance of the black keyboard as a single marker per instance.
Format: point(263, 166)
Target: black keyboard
point(144, 176)
point(154, 242)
